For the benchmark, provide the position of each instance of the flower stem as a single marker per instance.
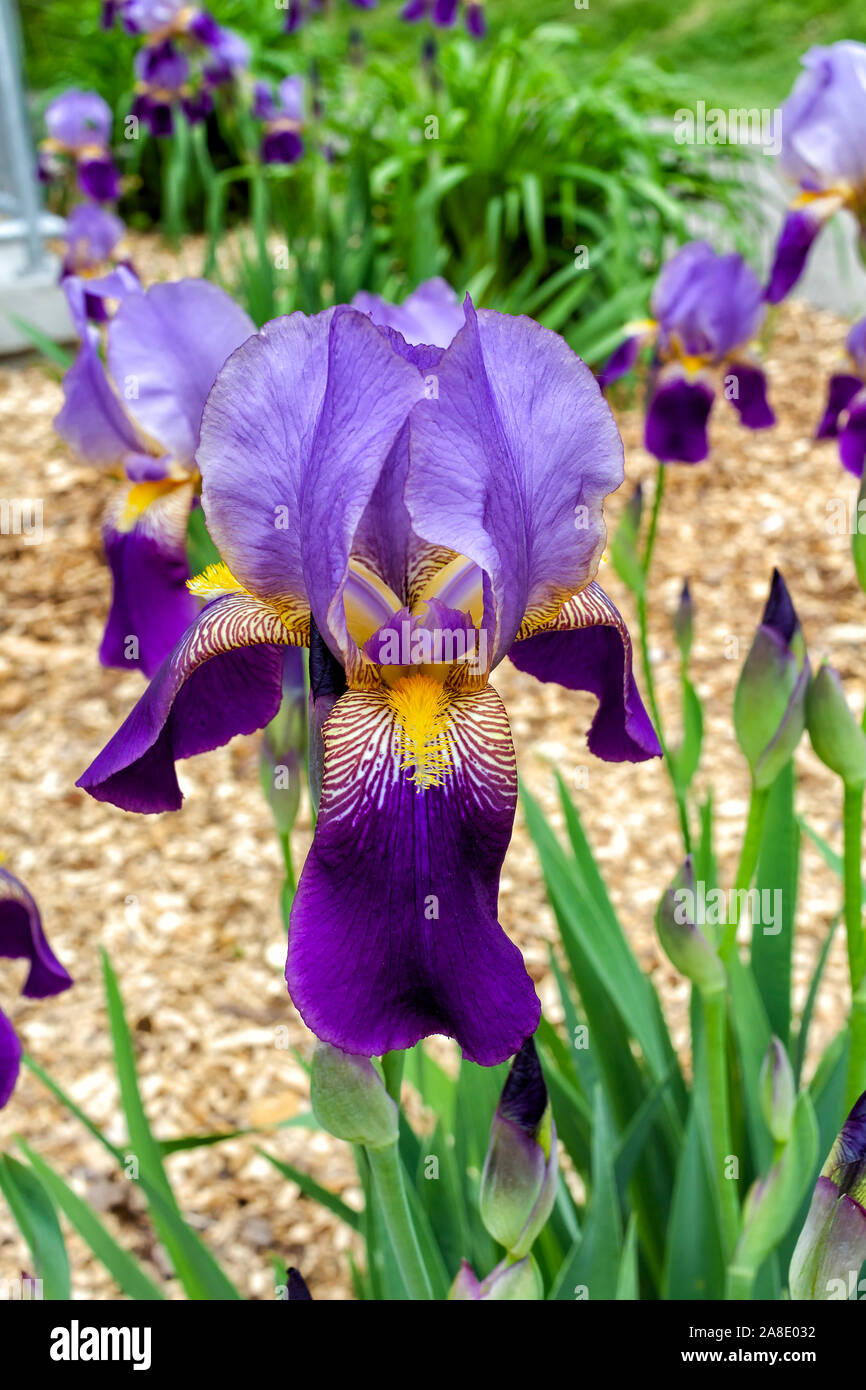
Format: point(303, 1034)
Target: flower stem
point(853, 879)
point(391, 1193)
point(747, 865)
point(392, 1065)
point(643, 625)
point(715, 1041)
point(290, 883)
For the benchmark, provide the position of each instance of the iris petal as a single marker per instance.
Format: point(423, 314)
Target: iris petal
point(21, 935)
point(394, 933)
point(224, 678)
point(510, 463)
point(144, 535)
point(587, 647)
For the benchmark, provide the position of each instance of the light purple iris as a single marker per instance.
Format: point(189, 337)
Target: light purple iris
point(444, 14)
point(417, 519)
point(431, 314)
point(93, 238)
point(283, 117)
point(845, 416)
point(141, 415)
point(78, 126)
point(707, 309)
point(824, 151)
point(22, 937)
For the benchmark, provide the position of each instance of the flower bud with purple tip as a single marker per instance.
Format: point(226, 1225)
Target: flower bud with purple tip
point(509, 1282)
point(518, 1184)
point(349, 1099)
point(770, 703)
point(832, 1246)
point(684, 622)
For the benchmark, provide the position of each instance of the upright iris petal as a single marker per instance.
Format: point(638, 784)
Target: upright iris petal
point(397, 533)
point(431, 314)
point(79, 129)
point(823, 126)
point(141, 415)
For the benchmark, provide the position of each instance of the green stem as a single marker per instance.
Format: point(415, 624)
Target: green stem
point(747, 865)
point(290, 882)
point(739, 1283)
point(391, 1194)
point(392, 1065)
point(643, 626)
point(853, 836)
point(716, 1043)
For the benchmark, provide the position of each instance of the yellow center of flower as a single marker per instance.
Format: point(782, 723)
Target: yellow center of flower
point(143, 495)
point(421, 707)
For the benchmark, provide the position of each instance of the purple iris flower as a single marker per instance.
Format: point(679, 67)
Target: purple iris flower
point(163, 74)
point(416, 519)
point(22, 937)
point(93, 239)
point(79, 129)
point(845, 416)
point(444, 14)
point(282, 142)
point(140, 414)
point(707, 308)
point(824, 151)
point(431, 314)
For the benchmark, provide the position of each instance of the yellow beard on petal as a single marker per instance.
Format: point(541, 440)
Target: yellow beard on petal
point(143, 495)
point(421, 707)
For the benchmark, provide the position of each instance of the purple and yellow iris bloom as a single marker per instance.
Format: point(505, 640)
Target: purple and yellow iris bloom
point(138, 412)
point(707, 309)
point(22, 937)
point(416, 514)
point(78, 126)
point(824, 151)
point(283, 119)
point(94, 248)
point(845, 416)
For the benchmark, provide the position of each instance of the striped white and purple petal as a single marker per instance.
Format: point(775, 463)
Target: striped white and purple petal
point(587, 647)
point(223, 678)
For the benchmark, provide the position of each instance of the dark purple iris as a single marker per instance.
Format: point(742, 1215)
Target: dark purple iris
point(845, 416)
point(354, 485)
point(708, 308)
point(141, 414)
point(22, 937)
point(283, 117)
point(444, 13)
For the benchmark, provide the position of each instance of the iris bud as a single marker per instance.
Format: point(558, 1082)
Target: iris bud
point(778, 1091)
point(832, 1246)
point(518, 1184)
point(349, 1099)
point(836, 736)
point(296, 1287)
point(684, 622)
point(282, 753)
point(770, 703)
point(508, 1281)
point(624, 552)
point(682, 941)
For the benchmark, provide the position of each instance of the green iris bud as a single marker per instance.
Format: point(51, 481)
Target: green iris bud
point(684, 622)
point(778, 1091)
point(836, 737)
point(518, 1184)
point(682, 940)
point(770, 703)
point(349, 1099)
